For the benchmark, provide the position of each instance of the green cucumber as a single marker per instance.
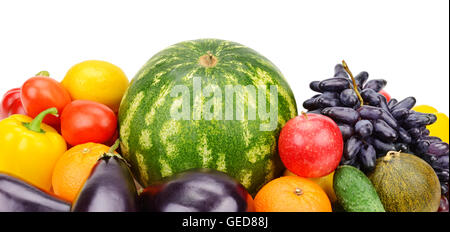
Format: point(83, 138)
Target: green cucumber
point(355, 192)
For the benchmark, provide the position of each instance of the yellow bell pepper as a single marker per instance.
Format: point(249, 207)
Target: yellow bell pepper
point(29, 149)
point(440, 128)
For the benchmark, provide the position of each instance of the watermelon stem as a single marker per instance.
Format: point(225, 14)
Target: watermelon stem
point(208, 60)
point(355, 86)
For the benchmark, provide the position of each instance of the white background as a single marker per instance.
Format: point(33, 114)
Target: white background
point(403, 41)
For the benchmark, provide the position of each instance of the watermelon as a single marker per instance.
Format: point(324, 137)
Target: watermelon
point(179, 113)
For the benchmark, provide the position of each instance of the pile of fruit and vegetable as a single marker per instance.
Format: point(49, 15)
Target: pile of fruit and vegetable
point(97, 143)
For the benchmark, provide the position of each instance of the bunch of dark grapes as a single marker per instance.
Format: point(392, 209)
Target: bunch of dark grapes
point(371, 126)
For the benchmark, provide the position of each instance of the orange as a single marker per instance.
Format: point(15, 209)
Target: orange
point(74, 167)
point(292, 194)
point(325, 182)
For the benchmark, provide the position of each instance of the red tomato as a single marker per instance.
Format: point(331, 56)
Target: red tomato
point(11, 104)
point(386, 95)
point(41, 93)
point(87, 121)
point(311, 145)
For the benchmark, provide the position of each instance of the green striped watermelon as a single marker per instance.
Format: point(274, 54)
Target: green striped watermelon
point(158, 145)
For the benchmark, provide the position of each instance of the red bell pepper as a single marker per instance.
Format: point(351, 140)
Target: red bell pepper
point(11, 104)
point(42, 92)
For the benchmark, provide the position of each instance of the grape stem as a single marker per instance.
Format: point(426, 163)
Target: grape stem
point(355, 86)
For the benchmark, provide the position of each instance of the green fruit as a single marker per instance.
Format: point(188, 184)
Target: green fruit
point(406, 183)
point(354, 191)
point(159, 145)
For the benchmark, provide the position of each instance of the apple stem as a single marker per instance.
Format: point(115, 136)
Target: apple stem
point(355, 86)
point(305, 115)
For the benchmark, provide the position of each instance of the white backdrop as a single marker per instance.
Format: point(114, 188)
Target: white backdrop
point(403, 41)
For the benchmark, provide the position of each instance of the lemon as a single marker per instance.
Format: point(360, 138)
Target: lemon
point(97, 81)
point(441, 127)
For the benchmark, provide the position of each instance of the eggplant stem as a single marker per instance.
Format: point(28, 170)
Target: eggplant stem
point(112, 153)
point(114, 147)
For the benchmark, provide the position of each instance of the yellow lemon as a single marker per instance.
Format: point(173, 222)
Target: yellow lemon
point(97, 81)
point(326, 183)
point(441, 127)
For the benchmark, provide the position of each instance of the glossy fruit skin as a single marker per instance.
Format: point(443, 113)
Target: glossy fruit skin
point(376, 84)
point(311, 145)
point(97, 81)
point(11, 104)
point(158, 146)
point(292, 194)
point(74, 167)
point(86, 121)
point(28, 154)
point(334, 84)
point(197, 190)
point(342, 114)
point(19, 196)
point(40, 93)
point(406, 183)
point(407, 103)
point(109, 188)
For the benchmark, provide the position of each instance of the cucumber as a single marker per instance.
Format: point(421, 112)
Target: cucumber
point(355, 192)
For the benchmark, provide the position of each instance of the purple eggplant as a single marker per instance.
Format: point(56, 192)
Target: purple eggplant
point(197, 190)
point(109, 188)
point(19, 196)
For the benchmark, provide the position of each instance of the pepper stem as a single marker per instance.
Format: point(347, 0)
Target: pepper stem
point(35, 125)
point(355, 86)
point(43, 74)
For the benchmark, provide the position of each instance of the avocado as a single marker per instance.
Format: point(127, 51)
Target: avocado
point(354, 191)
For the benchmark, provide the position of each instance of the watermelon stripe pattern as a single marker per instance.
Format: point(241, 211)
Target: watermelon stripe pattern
point(159, 146)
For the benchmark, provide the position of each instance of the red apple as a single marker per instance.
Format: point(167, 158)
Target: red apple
point(386, 95)
point(311, 145)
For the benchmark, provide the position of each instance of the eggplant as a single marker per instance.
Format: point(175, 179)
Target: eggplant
point(109, 188)
point(19, 196)
point(197, 190)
